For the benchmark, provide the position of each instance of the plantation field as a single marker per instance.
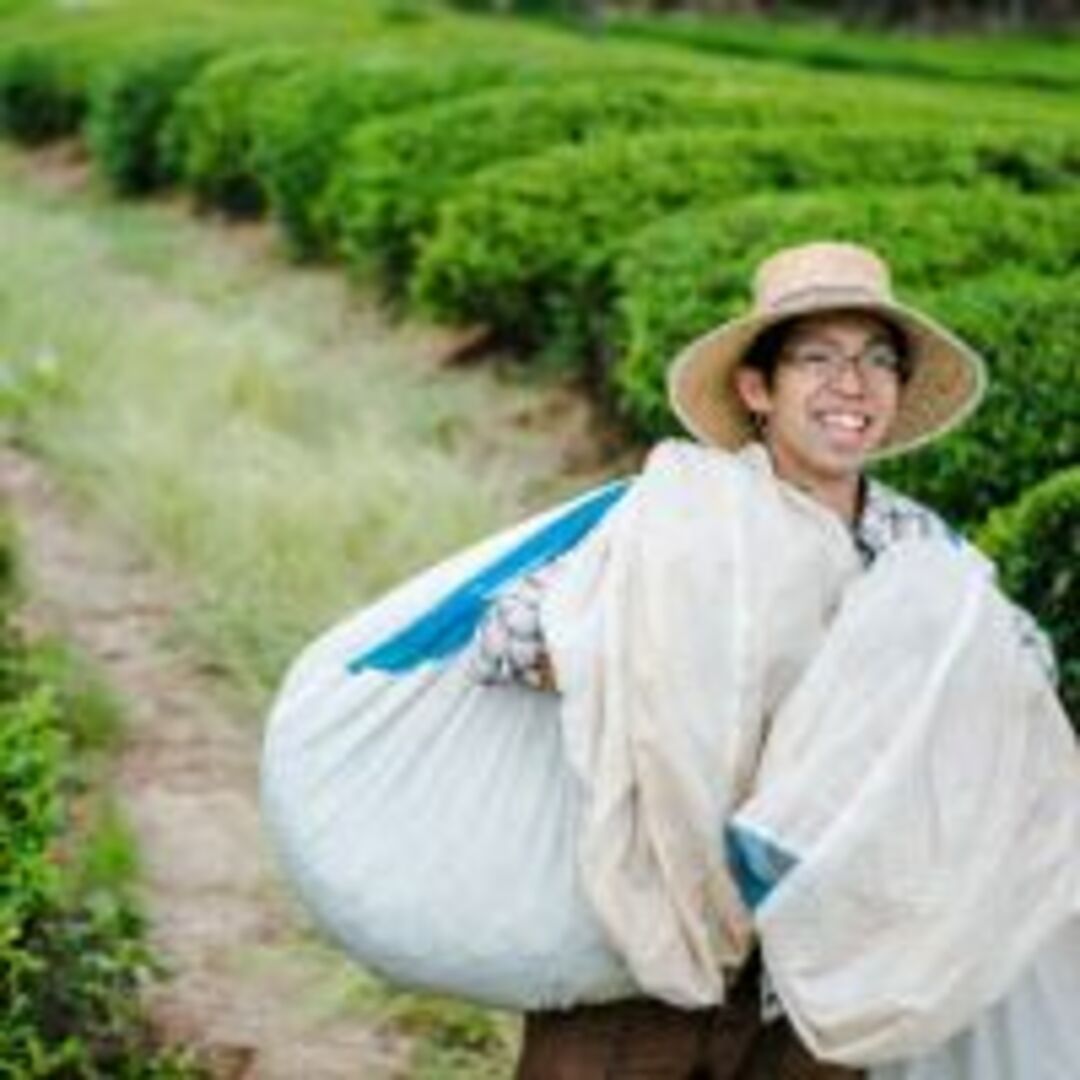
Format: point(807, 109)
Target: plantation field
point(591, 203)
point(264, 397)
point(1042, 61)
point(273, 358)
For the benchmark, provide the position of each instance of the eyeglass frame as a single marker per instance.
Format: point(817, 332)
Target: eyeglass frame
point(837, 361)
point(763, 352)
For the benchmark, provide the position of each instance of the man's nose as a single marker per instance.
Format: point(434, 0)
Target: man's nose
point(851, 377)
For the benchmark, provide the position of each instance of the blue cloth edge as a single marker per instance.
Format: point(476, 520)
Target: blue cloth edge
point(450, 623)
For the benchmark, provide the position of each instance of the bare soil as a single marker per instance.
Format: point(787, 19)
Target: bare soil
point(248, 990)
point(186, 781)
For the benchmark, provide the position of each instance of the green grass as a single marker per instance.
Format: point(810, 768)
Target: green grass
point(104, 858)
point(451, 1039)
point(275, 443)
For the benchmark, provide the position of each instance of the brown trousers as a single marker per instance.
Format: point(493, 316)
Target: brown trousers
point(649, 1040)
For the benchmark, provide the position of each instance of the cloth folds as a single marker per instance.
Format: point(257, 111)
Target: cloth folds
point(885, 732)
point(666, 698)
point(725, 664)
point(929, 783)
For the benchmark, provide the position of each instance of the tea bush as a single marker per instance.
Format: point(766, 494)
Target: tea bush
point(528, 247)
point(1028, 329)
point(209, 138)
point(1035, 542)
point(304, 117)
point(53, 54)
point(72, 953)
point(392, 176)
point(42, 93)
point(1015, 60)
point(129, 106)
point(72, 964)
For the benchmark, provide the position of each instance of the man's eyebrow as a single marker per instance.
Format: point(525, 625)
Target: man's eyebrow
point(875, 337)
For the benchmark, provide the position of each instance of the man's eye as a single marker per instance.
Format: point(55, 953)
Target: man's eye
point(882, 357)
point(813, 357)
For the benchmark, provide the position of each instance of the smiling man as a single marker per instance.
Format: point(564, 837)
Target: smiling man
point(826, 373)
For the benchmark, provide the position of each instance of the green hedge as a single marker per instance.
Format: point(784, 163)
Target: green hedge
point(1035, 542)
point(262, 124)
point(1014, 59)
point(49, 64)
point(72, 965)
point(209, 139)
point(303, 119)
point(690, 271)
point(43, 95)
point(30, 821)
point(528, 247)
point(129, 106)
point(52, 54)
point(1028, 328)
point(392, 176)
point(72, 954)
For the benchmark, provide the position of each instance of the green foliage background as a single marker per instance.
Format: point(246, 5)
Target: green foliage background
point(593, 202)
point(72, 947)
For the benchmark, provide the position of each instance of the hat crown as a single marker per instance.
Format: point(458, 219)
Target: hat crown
point(834, 271)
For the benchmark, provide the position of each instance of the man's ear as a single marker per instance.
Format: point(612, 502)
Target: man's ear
point(752, 389)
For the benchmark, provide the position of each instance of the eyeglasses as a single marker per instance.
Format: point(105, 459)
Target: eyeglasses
point(877, 363)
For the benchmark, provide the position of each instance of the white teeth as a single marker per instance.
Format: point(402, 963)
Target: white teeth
point(847, 421)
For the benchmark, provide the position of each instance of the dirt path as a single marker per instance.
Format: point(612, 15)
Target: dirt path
point(250, 990)
point(186, 778)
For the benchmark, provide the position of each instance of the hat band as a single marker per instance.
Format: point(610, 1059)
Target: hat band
point(832, 292)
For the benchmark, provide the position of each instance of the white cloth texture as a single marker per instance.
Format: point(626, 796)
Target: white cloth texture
point(1031, 1034)
point(720, 654)
point(929, 782)
point(665, 695)
point(510, 644)
point(427, 823)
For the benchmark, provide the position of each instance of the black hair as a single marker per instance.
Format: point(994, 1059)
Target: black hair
point(763, 353)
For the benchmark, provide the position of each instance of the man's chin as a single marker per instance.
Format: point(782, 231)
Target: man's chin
point(842, 456)
point(842, 461)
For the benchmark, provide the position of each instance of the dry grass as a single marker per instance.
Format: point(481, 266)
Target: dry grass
point(266, 433)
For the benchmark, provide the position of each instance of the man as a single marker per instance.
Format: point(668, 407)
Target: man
point(827, 372)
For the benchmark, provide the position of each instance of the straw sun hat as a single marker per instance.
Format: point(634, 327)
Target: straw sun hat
point(947, 380)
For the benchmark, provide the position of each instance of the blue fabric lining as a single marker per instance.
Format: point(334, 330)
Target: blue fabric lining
point(758, 865)
point(448, 626)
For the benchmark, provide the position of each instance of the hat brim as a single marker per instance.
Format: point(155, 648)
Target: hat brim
point(947, 382)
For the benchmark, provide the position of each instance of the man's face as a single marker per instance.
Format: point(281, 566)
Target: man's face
point(833, 398)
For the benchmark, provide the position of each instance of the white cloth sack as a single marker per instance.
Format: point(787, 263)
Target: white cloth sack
point(428, 822)
point(1032, 1034)
point(674, 635)
point(434, 826)
point(916, 769)
point(928, 782)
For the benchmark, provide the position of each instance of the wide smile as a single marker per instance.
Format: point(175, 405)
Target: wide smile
point(845, 427)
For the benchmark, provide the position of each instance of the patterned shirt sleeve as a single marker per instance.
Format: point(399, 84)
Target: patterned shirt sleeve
point(509, 643)
point(887, 517)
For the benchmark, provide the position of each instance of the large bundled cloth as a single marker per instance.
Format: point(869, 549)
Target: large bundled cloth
point(928, 783)
point(1030, 1034)
point(731, 681)
point(675, 633)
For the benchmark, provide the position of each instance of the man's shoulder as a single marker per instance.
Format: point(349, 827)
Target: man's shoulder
point(885, 496)
point(889, 515)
